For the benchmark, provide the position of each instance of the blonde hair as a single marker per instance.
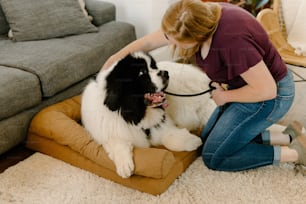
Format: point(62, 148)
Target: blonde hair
point(191, 21)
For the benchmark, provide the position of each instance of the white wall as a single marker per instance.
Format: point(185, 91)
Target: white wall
point(145, 15)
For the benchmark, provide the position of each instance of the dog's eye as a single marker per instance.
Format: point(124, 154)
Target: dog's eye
point(142, 72)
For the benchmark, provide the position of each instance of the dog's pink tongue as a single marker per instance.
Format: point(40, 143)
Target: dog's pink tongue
point(156, 99)
point(165, 105)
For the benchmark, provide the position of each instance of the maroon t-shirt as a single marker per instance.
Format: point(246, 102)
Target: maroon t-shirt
point(239, 43)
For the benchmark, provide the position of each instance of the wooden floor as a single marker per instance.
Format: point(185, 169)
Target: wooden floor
point(14, 156)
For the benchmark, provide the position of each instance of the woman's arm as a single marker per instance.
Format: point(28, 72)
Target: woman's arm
point(260, 87)
point(146, 44)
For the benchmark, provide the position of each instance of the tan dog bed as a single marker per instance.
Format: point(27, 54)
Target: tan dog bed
point(56, 131)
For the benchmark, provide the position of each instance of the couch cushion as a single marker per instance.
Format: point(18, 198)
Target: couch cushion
point(44, 19)
point(4, 28)
point(19, 90)
point(62, 62)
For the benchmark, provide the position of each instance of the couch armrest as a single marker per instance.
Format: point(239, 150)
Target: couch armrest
point(101, 11)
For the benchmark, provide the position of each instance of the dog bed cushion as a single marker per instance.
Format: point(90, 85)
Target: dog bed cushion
point(57, 131)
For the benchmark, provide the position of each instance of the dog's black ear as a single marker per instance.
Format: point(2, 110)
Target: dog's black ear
point(115, 81)
point(112, 100)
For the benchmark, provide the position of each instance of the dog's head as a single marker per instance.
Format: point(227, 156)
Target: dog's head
point(133, 82)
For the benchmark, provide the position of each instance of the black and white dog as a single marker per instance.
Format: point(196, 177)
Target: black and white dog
point(124, 107)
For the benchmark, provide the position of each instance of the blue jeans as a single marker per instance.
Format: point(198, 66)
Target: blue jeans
point(232, 133)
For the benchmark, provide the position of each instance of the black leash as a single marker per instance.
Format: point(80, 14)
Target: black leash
point(211, 88)
point(221, 108)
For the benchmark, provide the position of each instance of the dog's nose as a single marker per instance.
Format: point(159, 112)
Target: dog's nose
point(164, 74)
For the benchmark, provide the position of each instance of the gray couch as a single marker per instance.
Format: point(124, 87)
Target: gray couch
point(35, 74)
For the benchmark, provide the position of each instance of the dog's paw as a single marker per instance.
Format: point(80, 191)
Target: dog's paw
point(181, 140)
point(121, 154)
point(192, 143)
point(125, 167)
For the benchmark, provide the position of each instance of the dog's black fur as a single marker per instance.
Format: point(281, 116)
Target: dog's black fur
point(127, 84)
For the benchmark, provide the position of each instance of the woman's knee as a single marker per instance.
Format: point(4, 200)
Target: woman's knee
point(211, 163)
point(207, 158)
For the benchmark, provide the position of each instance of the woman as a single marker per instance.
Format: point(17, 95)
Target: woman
point(231, 47)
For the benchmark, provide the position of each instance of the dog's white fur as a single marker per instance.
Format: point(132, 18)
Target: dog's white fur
point(119, 137)
point(191, 113)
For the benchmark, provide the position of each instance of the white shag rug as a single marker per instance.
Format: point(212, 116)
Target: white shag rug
point(42, 179)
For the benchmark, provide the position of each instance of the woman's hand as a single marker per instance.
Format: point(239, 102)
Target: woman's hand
point(146, 43)
point(260, 87)
point(217, 94)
